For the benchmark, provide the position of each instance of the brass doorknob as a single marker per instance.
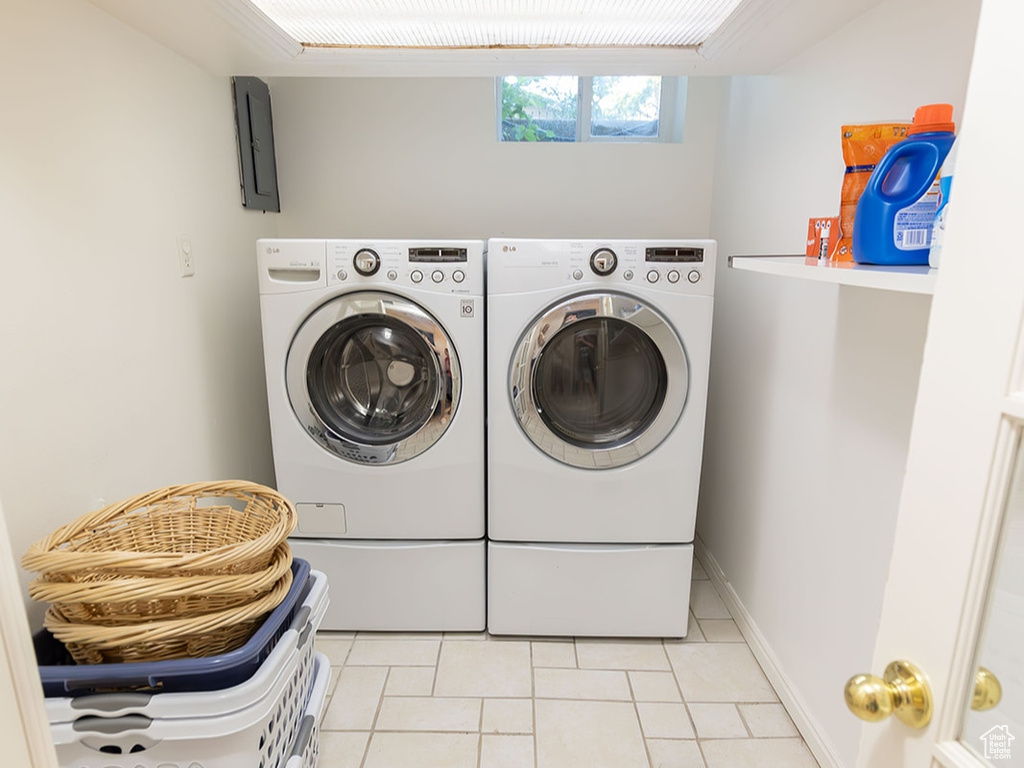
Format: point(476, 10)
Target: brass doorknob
point(987, 690)
point(902, 691)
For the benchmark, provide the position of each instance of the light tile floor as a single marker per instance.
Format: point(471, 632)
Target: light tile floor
point(456, 700)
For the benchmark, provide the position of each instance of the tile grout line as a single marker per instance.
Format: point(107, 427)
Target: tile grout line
point(376, 715)
point(743, 720)
point(334, 687)
point(696, 736)
point(480, 720)
point(533, 705)
point(686, 704)
point(480, 731)
point(701, 739)
point(437, 666)
point(639, 721)
point(348, 653)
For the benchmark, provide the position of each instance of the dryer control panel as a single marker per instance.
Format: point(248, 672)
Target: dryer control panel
point(676, 266)
point(449, 266)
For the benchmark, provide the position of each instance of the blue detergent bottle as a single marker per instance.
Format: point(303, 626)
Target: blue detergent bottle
point(896, 211)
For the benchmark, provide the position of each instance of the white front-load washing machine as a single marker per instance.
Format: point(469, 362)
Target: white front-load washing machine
point(598, 357)
point(374, 353)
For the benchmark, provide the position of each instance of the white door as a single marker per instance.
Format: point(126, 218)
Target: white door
point(957, 505)
point(24, 728)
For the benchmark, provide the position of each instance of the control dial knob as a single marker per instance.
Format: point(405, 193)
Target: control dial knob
point(366, 262)
point(603, 261)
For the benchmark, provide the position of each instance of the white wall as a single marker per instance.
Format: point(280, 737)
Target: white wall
point(418, 157)
point(813, 386)
point(119, 375)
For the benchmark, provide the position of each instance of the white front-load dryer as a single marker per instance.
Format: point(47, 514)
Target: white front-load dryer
point(598, 357)
point(374, 353)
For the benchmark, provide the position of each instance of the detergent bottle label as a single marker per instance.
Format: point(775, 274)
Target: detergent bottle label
point(913, 225)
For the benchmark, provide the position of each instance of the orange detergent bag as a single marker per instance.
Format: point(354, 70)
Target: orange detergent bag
point(863, 147)
point(823, 238)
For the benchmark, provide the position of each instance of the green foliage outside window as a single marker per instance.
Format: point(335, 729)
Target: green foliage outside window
point(635, 98)
point(538, 108)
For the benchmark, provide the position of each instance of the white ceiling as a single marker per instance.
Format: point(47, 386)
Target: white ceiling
point(232, 37)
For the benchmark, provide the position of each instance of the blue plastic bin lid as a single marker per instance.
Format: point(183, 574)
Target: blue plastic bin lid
point(62, 677)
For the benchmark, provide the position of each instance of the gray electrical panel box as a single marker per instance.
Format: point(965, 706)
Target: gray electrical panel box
point(256, 164)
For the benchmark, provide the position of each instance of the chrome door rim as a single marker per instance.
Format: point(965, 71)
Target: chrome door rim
point(363, 305)
point(530, 347)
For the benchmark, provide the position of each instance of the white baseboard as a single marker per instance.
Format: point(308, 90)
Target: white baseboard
point(819, 744)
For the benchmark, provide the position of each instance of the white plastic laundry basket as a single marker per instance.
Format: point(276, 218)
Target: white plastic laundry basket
point(252, 725)
point(306, 749)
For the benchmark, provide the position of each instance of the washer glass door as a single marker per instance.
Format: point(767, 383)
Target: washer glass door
point(598, 380)
point(373, 378)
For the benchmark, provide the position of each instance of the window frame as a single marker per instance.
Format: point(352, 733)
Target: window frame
point(671, 113)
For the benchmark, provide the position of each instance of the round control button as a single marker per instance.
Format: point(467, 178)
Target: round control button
point(366, 262)
point(416, 276)
point(577, 274)
point(458, 275)
point(653, 276)
point(392, 275)
point(673, 276)
point(342, 274)
point(628, 274)
point(437, 275)
point(693, 276)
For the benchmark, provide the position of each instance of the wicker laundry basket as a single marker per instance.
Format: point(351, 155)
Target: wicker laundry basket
point(227, 527)
point(112, 599)
point(182, 571)
point(205, 634)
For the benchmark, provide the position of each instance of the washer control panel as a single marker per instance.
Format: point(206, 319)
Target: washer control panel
point(441, 267)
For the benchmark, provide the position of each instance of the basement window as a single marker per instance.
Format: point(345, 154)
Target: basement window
point(606, 108)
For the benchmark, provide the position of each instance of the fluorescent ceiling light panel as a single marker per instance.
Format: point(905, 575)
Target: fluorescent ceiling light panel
point(498, 23)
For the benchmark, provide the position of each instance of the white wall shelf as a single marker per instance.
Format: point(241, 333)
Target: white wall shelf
point(906, 279)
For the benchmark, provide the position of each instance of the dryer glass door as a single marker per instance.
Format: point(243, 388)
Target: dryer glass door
point(373, 378)
point(599, 380)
